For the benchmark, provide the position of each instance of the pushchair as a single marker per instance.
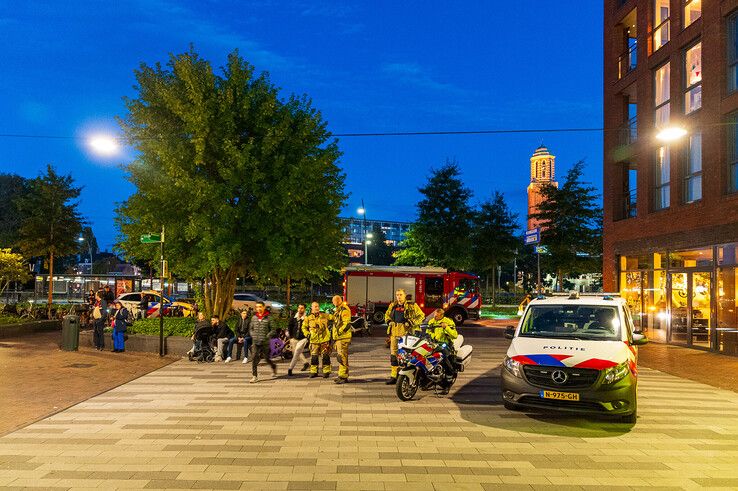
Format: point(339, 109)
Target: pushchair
point(203, 350)
point(279, 347)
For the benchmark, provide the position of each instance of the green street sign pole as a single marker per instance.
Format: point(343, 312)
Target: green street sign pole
point(161, 294)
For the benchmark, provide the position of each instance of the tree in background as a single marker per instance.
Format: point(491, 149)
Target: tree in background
point(442, 233)
point(12, 268)
point(12, 188)
point(494, 240)
point(244, 182)
point(51, 223)
point(571, 226)
point(88, 245)
point(380, 253)
point(411, 251)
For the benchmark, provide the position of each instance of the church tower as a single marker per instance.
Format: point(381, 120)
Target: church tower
point(542, 168)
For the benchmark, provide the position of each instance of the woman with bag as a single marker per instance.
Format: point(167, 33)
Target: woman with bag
point(99, 314)
point(120, 326)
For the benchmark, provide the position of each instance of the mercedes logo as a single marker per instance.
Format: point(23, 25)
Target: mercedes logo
point(559, 377)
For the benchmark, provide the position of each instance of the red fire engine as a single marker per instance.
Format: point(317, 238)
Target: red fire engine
point(373, 287)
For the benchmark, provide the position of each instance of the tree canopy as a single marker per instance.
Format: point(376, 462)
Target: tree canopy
point(12, 268)
point(12, 188)
point(243, 181)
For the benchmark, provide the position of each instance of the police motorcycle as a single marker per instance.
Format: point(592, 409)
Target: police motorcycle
point(428, 364)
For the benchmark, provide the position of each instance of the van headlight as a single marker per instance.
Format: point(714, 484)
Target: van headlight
point(616, 373)
point(512, 366)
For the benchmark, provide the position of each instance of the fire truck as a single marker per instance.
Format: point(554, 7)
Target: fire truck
point(373, 288)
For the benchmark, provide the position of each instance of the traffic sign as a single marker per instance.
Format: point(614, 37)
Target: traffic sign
point(150, 238)
point(541, 250)
point(533, 236)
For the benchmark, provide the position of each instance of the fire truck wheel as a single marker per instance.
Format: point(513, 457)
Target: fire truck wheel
point(378, 317)
point(458, 316)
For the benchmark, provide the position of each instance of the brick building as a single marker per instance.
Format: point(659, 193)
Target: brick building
point(542, 170)
point(671, 206)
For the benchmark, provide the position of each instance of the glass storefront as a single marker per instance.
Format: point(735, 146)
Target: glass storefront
point(685, 297)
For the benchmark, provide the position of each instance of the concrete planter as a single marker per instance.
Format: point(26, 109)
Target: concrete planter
point(26, 328)
point(173, 345)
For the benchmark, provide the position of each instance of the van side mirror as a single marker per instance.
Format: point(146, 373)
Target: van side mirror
point(639, 339)
point(509, 332)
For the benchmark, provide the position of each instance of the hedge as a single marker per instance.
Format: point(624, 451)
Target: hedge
point(182, 326)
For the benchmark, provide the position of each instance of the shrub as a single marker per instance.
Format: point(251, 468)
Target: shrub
point(173, 326)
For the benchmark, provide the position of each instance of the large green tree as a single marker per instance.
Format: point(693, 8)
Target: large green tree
point(494, 240)
point(12, 188)
point(380, 253)
point(244, 182)
point(12, 268)
point(442, 233)
point(51, 222)
point(571, 222)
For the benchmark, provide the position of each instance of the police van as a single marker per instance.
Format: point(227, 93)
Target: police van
point(574, 353)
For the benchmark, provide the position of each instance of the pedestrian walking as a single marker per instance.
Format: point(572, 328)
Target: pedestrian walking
point(402, 316)
point(120, 326)
point(315, 328)
point(298, 341)
point(99, 316)
point(261, 330)
point(242, 339)
point(341, 335)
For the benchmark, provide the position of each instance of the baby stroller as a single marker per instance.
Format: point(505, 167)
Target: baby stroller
point(279, 347)
point(203, 350)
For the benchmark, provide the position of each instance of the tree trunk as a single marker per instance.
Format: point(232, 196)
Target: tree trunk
point(220, 285)
point(288, 295)
point(560, 280)
point(50, 298)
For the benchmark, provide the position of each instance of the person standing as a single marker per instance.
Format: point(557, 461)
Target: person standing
point(120, 326)
point(402, 316)
point(297, 339)
point(241, 339)
point(342, 336)
point(108, 295)
point(315, 328)
point(261, 330)
point(99, 316)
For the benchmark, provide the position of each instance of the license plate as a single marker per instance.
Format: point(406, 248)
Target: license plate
point(561, 396)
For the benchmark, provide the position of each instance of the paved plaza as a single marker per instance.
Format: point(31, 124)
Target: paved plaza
point(201, 426)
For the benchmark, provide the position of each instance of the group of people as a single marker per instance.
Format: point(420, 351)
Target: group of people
point(321, 332)
point(119, 319)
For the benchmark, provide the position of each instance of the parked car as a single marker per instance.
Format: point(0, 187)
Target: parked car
point(132, 301)
point(574, 354)
point(248, 300)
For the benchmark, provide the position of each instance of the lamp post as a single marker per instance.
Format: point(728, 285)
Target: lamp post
point(364, 235)
point(89, 249)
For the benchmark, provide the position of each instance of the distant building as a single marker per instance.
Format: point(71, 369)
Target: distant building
point(542, 170)
point(353, 229)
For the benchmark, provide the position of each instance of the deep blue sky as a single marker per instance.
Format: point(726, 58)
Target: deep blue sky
point(369, 66)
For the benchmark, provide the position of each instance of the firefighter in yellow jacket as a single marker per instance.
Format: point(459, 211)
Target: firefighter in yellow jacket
point(315, 328)
point(402, 317)
point(342, 337)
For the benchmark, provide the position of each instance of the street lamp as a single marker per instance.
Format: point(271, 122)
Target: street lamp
point(670, 133)
point(89, 249)
point(362, 211)
point(104, 145)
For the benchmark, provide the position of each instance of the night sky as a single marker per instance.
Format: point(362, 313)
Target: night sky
point(368, 66)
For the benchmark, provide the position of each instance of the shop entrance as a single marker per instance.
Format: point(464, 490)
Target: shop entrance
point(691, 308)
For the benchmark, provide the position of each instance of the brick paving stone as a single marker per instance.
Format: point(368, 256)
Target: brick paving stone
point(201, 426)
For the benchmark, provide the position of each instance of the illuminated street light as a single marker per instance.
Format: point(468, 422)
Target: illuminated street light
point(361, 211)
point(670, 134)
point(104, 145)
point(369, 235)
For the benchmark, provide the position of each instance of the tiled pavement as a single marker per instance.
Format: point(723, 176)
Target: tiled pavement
point(202, 426)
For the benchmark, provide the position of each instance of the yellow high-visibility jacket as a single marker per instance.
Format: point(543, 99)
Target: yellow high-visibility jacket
point(342, 322)
point(315, 328)
point(443, 331)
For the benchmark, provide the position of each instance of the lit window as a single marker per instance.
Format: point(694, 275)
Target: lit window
point(663, 177)
point(660, 23)
point(732, 138)
point(693, 76)
point(692, 11)
point(693, 179)
point(661, 95)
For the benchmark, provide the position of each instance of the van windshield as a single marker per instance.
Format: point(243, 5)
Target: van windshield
point(585, 322)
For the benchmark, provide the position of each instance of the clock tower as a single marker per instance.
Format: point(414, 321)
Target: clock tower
point(542, 169)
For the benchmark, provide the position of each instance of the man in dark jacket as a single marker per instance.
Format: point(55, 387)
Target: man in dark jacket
point(261, 330)
point(223, 334)
point(108, 295)
point(241, 339)
point(298, 341)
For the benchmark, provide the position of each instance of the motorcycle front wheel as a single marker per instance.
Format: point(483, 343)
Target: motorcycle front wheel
point(405, 389)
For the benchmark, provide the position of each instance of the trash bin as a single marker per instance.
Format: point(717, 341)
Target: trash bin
point(70, 333)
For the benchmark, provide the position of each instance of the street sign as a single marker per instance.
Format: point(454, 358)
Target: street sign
point(150, 238)
point(533, 236)
point(541, 250)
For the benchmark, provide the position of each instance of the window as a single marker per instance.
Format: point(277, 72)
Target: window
point(693, 178)
point(663, 177)
point(732, 138)
point(660, 23)
point(693, 78)
point(692, 11)
point(661, 95)
point(732, 56)
point(434, 292)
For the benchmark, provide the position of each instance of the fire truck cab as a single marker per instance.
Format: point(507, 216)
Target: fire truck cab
point(373, 287)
